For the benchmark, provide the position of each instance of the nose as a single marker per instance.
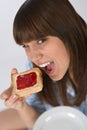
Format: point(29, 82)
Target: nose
point(34, 55)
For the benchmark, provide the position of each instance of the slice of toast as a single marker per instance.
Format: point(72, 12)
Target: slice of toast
point(28, 82)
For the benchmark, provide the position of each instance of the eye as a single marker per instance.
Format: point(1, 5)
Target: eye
point(40, 41)
point(25, 46)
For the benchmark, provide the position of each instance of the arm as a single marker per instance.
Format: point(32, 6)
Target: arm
point(11, 120)
point(26, 112)
point(29, 115)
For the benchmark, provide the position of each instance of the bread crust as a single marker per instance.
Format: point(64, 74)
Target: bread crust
point(29, 90)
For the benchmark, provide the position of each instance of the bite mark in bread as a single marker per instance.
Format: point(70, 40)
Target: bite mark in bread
point(28, 82)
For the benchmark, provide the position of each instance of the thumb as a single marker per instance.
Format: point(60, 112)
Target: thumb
point(7, 93)
point(14, 71)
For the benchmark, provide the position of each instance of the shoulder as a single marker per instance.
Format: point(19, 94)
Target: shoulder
point(36, 103)
point(29, 64)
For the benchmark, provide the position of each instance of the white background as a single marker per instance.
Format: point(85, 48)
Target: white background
point(11, 55)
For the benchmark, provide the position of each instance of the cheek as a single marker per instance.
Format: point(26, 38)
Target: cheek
point(62, 61)
point(62, 66)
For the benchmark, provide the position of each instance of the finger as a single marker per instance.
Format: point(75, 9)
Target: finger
point(19, 104)
point(6, 94)
point(9, 102)
point(15, 102)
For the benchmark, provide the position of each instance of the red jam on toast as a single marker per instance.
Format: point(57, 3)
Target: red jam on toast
point(26, 80)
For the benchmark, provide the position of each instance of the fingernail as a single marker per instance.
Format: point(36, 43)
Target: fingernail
point(4, 96)
point(14, 96)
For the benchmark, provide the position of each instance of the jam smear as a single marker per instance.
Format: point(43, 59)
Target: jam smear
point(27, 80)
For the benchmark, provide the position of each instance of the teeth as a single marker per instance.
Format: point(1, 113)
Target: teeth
point(45, 64)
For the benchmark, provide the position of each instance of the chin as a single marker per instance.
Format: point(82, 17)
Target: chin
point(57, 78)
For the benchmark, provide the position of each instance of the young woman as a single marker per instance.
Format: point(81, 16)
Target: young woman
point(54, 37)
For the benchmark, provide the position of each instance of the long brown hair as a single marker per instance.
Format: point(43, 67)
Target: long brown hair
point(41, 18)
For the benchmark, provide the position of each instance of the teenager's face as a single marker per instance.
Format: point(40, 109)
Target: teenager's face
point(50, 54)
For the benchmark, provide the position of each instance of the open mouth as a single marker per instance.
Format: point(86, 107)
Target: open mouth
point(48, 67)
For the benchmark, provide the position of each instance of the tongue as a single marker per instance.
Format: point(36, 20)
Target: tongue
point(49, 68)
